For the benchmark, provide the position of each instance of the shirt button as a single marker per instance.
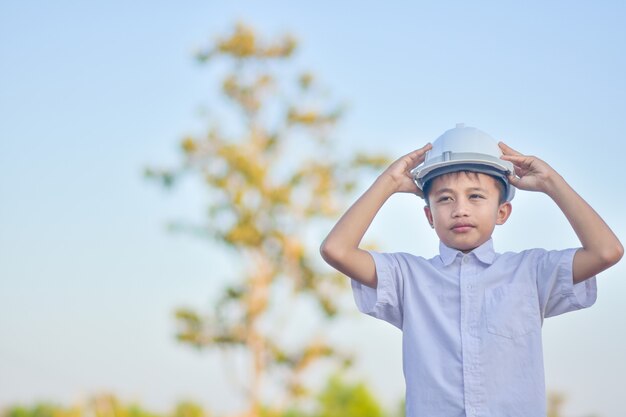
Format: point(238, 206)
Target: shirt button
point(465, 259)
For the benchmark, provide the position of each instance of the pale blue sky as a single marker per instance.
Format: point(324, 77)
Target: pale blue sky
point(91, 92)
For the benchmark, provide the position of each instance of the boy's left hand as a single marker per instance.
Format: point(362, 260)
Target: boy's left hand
point(531, 173)
point(600, 247)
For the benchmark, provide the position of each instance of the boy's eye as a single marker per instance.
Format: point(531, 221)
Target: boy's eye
point(476, 196)
point(444, 199)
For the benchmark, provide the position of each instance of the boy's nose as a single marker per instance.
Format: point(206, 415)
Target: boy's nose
point(460, 210)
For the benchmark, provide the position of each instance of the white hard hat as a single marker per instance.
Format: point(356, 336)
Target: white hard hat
point(464, 149)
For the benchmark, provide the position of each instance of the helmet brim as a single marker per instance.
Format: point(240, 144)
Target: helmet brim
point(494, 169)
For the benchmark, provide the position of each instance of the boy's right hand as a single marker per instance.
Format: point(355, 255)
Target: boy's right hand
point(341, 247)
point(400, 171)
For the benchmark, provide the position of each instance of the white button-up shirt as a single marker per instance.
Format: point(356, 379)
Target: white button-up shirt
point(471, 325)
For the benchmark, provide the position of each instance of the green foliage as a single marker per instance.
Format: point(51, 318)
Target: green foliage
point(101, 406)
point(340, 399)
point(337, 399)
point(189, 409)
point(40, 410)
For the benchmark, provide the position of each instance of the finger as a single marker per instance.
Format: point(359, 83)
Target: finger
point(518, 160)
point(514, 158)
point(507, 150)
point(514, 180)
point(421, 151)
point(417, 157)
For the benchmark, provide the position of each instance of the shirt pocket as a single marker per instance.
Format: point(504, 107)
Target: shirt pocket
point(511, 310)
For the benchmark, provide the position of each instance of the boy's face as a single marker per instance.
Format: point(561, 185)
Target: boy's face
point(464, 209)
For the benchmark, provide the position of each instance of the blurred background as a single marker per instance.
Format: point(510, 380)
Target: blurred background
point(169, 170)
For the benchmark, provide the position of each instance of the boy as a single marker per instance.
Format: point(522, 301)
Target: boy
point(471, 318)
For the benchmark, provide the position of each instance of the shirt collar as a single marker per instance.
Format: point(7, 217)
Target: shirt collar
point(483, 253)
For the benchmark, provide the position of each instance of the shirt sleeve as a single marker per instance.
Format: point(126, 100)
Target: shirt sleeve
point(555, 283)
point(385, 301)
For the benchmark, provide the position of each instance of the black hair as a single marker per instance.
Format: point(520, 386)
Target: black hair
point(500, 184)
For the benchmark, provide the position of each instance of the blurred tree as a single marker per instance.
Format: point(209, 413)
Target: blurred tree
point(270, 177)
point(555, 402)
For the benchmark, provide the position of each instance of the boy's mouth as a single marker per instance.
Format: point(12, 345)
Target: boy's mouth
point(462, 227)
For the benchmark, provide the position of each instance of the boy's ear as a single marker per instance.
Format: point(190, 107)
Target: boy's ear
point(429, 216)
point(504, 212)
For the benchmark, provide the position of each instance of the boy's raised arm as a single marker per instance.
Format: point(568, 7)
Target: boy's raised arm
point(340, 249)
point(600, 247)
